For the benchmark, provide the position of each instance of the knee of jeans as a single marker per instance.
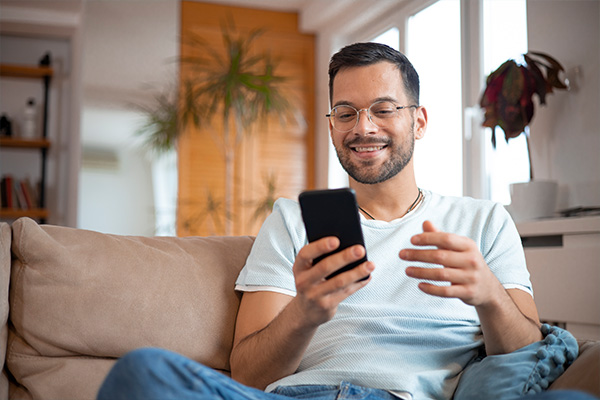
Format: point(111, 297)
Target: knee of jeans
point(139, 360)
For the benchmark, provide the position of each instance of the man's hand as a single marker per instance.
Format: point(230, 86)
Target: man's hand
point(469, 276)
point(273, 330)
point(317, 298)
point(509, 319)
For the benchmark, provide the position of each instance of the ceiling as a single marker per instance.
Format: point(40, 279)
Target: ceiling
point(76, 5)
point(276, 5)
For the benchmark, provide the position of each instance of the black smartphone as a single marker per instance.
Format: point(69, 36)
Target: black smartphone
point(332, 212)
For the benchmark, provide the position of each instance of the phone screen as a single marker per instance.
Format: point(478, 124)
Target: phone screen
point(332, 212)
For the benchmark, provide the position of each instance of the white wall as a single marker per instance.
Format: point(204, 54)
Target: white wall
point(130, 49)
point(565, 134)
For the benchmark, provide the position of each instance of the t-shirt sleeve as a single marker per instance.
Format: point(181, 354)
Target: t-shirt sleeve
point(271, 259)
point(503, 250)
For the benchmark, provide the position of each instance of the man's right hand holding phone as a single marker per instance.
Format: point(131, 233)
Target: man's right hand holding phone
point(318, 297)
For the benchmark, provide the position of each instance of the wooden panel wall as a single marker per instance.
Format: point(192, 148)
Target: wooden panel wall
point(283, 152)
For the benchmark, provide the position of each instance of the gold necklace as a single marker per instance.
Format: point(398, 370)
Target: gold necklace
point(412, 206)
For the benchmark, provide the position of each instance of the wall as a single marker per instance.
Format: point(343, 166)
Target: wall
point(565, 134)
point(130, 53)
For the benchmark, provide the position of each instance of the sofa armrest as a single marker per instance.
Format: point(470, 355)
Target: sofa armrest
point(584, 373)
point(4, 308)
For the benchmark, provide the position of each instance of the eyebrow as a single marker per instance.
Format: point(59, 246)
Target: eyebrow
point(349, 103)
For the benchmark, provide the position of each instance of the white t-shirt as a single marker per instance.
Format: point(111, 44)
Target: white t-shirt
point(390, 335)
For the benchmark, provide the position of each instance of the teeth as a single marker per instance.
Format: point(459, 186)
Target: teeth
point(373, 148)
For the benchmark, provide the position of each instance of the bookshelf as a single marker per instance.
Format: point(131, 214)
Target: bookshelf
point(38, 210)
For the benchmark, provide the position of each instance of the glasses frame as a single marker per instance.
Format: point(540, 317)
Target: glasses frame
point(330, 116)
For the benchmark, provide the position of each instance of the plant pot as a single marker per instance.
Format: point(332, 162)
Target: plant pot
point(532, 200)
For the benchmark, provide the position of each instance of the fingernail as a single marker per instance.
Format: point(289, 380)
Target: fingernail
point(357, 251)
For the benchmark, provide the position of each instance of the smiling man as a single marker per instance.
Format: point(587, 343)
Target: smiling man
point(447, 283)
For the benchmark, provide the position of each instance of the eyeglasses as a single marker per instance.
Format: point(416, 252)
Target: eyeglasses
point(344, 118)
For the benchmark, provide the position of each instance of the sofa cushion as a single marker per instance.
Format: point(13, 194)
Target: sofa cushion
point(79, 295)
point(4, 279)
point(585, 372)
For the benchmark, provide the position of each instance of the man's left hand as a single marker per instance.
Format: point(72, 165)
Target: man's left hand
point(469, 276)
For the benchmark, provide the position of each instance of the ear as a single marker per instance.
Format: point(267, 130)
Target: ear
point(420, 122)
point(330, 130)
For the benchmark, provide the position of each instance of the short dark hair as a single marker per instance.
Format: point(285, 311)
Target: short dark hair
point(362, 54)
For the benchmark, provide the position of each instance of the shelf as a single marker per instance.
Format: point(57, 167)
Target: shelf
point(14, 213)
point(41, 143)
point(22, 71)
point(564, 225)
point(24, 143)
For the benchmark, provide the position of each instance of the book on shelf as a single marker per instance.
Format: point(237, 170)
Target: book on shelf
point(18, 193)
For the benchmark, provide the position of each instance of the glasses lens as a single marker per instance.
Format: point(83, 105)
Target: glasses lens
point(382, 110)
point(344, 117)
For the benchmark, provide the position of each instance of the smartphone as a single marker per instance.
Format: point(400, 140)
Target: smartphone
point(332, 212)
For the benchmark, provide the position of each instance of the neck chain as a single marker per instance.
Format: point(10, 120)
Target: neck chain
point(412, 206)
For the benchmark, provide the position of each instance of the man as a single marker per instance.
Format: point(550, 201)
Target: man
point(445, 276)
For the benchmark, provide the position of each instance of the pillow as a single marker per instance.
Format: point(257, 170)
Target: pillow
point(81, 298)
point(528, 370)
point(584, 374)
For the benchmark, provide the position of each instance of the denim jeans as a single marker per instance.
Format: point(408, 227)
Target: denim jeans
point(160, 374)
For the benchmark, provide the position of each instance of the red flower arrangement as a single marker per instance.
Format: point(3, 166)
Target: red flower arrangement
point(508, 96)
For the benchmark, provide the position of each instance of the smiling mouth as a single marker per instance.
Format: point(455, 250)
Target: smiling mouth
point(367, 149)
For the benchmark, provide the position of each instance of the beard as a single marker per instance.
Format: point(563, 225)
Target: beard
point(366, 173)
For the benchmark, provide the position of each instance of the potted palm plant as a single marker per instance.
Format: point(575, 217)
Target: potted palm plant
point(508, 104)
point(229, 87)
point(232, 89)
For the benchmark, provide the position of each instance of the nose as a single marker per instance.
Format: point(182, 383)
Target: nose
point(364, 125)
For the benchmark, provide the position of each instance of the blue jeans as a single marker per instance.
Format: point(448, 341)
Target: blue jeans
point(160, 374)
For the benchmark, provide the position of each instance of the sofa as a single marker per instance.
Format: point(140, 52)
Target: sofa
point(72, 301)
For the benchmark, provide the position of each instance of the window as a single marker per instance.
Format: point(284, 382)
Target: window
point(504, 37)
point(437, 59)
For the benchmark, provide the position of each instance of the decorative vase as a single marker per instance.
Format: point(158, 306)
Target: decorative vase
point(533, 200)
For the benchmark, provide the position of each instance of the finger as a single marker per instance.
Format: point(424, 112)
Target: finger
point(338, 260)
point(355, 285)
point(447, 258)
point(453, 276)
point(442, 240)
point(338, 287)
point(429, 227)
point(316, 273)
point(452, 291)
point(307, 254)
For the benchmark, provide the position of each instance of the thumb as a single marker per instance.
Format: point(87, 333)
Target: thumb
point(429, 227)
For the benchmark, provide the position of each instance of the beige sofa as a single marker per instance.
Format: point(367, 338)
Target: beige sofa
point(80, 299)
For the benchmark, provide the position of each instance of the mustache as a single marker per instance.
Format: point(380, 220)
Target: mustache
point(362, 141)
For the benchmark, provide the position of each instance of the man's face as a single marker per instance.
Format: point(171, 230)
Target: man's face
point(370, 153)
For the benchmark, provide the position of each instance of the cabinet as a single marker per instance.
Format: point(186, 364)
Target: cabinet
point(44, 74)
point(563, 257)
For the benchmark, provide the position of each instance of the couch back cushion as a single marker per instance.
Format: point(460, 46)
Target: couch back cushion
point(4, 280)
point(79, 299)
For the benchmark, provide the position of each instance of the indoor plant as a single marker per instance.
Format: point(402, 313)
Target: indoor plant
point(508, 103)
point(225, 91)
point(230, 90)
